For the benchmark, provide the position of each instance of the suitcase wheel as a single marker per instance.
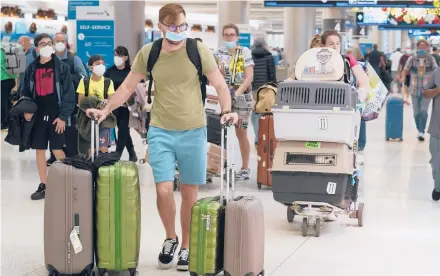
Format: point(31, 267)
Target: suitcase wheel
point(318, 227)
point(360, 215)
point(142, 161)
point(290, 214)
point(193, 274)
point(102, 272)
point(133, 272)
point(305, 227)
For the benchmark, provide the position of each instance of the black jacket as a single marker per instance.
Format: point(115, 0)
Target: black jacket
point(264, 70)
point(374, 60)
point(19, 133)
point(63, 85)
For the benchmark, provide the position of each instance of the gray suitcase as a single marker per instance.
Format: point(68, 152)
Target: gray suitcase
point(68, 218)
point(69, 215)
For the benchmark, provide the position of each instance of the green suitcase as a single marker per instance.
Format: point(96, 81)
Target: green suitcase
point(207, 237)
point(118, 218)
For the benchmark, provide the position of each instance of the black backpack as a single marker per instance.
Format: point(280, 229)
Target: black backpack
point(107, 82)
point(194, 56)
point(76, 77)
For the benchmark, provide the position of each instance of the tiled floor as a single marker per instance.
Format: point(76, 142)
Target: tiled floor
point(400, 236)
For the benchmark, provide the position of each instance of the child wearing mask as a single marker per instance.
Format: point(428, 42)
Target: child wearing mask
point(99, 86)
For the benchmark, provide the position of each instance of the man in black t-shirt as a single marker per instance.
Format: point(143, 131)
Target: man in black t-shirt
point(48, 82)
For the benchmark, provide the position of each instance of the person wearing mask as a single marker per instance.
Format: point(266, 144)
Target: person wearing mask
point(77, 71)
point(395, 59)
point(7, 84)
point(374, 59)
point(432, 91)
point(97, 87)
point(436, 55)
point(332, 39)
point(405, 84)
point(236, 65)
point(178, 124)
point(31, 55)
point(264, 71)
point(419, 66)
point(48, 82)
point(117, 73)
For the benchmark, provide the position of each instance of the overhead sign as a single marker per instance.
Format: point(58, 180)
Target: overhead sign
point(351, 3)
point(73, 4)
point(361, 31)
point(334, 24)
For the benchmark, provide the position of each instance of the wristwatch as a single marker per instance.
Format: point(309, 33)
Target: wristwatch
point(225, 112)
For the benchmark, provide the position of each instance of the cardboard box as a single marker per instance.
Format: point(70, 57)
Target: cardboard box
point(214, 159)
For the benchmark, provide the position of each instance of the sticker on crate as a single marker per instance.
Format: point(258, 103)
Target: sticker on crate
point(331, 188)
point(320, 64)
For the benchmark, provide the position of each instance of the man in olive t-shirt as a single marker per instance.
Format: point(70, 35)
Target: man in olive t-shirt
point(177, 130)
point(432, 86)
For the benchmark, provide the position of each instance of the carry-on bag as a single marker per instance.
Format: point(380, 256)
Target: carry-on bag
point(206, 249)
point(68, 218)
point(394, 118)
point(118, 215)
point(214, 128)
point(244, 230)
point(266, 150)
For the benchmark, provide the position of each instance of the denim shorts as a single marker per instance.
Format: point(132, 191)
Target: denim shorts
point(187, 148)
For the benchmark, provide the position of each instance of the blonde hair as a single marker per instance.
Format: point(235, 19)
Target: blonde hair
point(315, 42)
point(356, 52)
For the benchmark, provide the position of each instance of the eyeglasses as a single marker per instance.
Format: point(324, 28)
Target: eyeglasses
point(183, 27)
point(44, 44)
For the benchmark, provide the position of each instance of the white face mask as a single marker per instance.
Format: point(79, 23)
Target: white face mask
point(118, 61)
point(46, 51)
point(99, 70)
point(60, 47)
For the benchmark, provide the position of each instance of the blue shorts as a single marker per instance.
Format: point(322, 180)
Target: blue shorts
point(187, 148)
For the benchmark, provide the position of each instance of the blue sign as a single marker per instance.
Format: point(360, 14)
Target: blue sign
point(95, 37)
point(245, 40)
point(71, 12)
point(365, 46)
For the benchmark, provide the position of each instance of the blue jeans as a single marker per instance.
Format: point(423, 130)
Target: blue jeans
point(362, 136)
point(420, 108)
point(255, 118)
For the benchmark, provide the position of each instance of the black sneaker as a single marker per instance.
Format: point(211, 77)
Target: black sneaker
point(435, 195)
point(182, 263)
point(133, 157)
point(40, 193)
point(51, 160)
point(166, 256)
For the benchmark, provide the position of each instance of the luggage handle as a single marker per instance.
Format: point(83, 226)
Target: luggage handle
point(94, 139)
point(229, 163)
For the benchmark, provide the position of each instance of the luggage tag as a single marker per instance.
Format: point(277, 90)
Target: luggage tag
point(76, 243)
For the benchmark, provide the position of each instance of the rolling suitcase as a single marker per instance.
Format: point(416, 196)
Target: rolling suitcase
point(118, 216)
point(68, 219)
point(244, 230)
point(266, 150)
point(394, 118)
point(206, 249)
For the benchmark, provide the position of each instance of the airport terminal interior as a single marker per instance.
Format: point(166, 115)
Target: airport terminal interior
point(390, 228)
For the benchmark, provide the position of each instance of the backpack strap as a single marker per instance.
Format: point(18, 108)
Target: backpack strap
point(152, 58)
point(107, 82)
point(194, 55)
point(86, 82)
